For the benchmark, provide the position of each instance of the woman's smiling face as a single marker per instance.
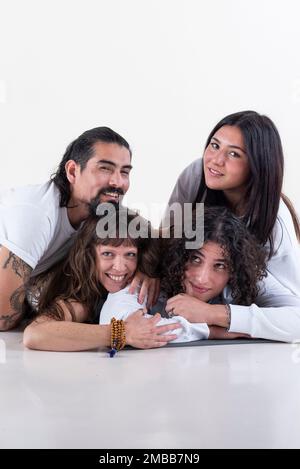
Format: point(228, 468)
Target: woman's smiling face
point(116, 265)
point(226, 165)
point(207, 272)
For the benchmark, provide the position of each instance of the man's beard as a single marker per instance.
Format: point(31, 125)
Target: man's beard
point(96, 200)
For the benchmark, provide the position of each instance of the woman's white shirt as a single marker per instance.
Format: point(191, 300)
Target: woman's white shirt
point(121, 304)
point(276, 314)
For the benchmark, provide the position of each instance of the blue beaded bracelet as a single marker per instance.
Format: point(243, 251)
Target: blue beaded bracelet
point(112, 352)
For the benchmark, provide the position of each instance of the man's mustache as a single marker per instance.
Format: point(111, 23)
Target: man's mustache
point(96, 200)
point(114, 190)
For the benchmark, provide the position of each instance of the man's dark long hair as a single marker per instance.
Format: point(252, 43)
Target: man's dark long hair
point(81, 150)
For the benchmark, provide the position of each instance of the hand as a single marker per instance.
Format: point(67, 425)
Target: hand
point(150, 287)
point(143, 332)
point(216, 332)
point(188, 307)
point(195, 310)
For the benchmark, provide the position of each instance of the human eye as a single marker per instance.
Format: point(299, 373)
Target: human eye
point(107, 254)
point(195, 259)
point(105, 169)
point(131, 254)
point(234, 154)
point(214, 145)
point(220, 266)
point(125, 172)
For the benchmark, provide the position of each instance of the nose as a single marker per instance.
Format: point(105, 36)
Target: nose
point(202, 275)
point(119, 264)
point(219, 157)
point(115, 179)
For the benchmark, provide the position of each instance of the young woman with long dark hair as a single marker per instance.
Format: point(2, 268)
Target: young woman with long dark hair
point(242, 169)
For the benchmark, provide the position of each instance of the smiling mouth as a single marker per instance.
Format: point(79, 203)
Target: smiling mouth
point(113, 195)
point(214, 172)
point(200, 289)
point(116, 278)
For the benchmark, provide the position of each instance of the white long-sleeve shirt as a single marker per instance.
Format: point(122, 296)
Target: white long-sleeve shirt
point(274, 316)
point(121, 304)
point(276, 312)
point(285, 264)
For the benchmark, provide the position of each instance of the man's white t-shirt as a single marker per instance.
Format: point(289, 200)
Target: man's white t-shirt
point(34, 227)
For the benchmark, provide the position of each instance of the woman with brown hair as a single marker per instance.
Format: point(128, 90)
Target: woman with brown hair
point(68, 298)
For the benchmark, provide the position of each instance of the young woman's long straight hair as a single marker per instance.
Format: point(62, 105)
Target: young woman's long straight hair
point(264, 189)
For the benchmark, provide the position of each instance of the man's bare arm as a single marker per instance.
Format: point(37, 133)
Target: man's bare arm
point(14, 272)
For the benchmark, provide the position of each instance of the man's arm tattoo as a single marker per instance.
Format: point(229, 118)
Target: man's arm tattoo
point(19, 267)
point(16, 302)
point(10, 320)
point(17, 299)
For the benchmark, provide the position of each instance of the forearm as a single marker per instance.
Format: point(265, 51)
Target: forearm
point(216, 332)
point(66, 336)
point(217, 315)
point(274, 316)
point(275, 323)
point(281, 323)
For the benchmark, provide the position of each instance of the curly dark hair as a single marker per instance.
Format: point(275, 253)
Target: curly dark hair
point(246, 258)
point(75, 277)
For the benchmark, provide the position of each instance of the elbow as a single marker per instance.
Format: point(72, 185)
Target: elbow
point(31, 338)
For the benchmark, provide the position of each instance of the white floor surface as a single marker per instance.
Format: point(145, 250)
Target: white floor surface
point(226, 396)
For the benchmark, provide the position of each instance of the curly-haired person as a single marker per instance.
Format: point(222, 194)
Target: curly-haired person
point(230, 259)
point(221, 290)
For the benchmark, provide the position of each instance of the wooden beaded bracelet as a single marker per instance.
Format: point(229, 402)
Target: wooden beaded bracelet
point(228, 312)
point(117, 337)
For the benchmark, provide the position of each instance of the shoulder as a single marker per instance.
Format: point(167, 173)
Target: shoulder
point(192, 171)
point(187, 184)
point(43, 198)
point(33, 204)
point(284, 232)
point(28, 209)
point(284, 264)
point(29, 217)
point(31, 193)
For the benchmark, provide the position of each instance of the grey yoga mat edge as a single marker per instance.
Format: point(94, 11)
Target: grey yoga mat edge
point(208, 342)
point(204, 342)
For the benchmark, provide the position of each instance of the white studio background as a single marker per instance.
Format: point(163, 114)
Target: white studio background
point(160, 72)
